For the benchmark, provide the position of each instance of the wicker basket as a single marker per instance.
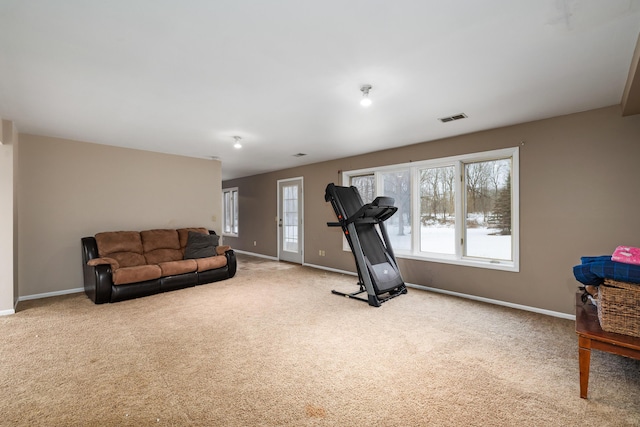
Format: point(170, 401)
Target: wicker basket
point(619, 307)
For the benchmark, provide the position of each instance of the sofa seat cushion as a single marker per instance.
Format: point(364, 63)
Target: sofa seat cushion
point(211, 262)
point(173, 268)
point(139, 273)
point(123, 246)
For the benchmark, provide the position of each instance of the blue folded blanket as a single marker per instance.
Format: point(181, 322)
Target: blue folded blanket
point(593, 271)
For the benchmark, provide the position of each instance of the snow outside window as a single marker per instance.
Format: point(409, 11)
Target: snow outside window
point(458, 210)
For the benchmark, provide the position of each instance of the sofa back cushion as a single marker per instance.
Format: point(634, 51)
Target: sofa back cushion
point(161, 246)
point(123, 246)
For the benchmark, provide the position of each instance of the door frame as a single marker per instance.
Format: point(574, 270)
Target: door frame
point(300, 212)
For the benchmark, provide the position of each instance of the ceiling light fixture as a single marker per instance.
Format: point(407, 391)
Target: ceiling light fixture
point(237, 144)
point(365, 101)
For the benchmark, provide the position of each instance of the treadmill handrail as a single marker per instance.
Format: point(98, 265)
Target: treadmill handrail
point(371, 211)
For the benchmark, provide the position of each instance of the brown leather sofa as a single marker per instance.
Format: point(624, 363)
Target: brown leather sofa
point(121, 265)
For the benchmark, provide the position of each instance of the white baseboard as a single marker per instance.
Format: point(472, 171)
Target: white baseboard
point(7, 312)
point(50, 294)
point(496, 302)
point(467, 296)
point(335, 270)
point(272, 258)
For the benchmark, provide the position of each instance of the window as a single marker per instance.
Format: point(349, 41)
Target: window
point(438, 210)
point(366, 185)
point(397, 184)
point(488, 209)
point(230, 212)
point(463, 209)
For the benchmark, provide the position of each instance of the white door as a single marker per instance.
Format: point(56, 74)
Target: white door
point(290, 220)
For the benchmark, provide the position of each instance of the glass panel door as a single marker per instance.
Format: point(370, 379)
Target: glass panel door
point(290, 220)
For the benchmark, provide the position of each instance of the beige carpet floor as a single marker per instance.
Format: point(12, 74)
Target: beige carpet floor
point(273, 347)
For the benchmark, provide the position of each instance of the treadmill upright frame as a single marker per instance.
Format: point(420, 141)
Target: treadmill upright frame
point(375, 213)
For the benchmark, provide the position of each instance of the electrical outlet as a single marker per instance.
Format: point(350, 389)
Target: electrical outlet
point(255, 243)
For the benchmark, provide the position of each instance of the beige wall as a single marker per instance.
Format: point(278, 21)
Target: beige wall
point(8, 237)
point(578, 196)
point(71, 189)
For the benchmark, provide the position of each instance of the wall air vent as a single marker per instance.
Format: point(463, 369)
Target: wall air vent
point(452, 118)
point(299, 155)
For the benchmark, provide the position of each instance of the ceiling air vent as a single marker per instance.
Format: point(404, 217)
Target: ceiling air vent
point(299, 155)
point(452, 118)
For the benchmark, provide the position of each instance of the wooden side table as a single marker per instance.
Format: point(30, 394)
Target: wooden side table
point(591, 335)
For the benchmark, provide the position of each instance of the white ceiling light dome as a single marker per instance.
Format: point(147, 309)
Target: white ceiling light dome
point(365, 101)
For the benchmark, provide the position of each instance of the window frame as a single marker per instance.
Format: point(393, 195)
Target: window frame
point(458, 161)
point(234, 192)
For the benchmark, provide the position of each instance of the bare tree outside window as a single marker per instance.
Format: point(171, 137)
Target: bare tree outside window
point(398, 185)
point(461, 209)
point(366, 185)
point(488, 209)
point(437, 210)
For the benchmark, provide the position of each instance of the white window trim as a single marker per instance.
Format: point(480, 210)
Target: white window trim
point(224, 212)
point(457, 259)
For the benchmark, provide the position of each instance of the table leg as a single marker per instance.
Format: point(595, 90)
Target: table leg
point(584, 357)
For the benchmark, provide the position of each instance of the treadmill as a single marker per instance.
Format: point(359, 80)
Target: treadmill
point(378, 271)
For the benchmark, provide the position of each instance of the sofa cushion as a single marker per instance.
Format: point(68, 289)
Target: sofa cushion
point(161, 246)
point(201, 245)
point(139, 273)
point(123, 246)
point(159, 239)
point(163, 255)
point(183, 234)
point(211, 263)
point(220, 250)
point(98, 261)
point(173, 268)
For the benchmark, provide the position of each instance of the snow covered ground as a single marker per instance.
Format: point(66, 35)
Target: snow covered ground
point(480, 241)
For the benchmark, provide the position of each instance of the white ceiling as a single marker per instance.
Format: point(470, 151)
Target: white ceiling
point(184, 77)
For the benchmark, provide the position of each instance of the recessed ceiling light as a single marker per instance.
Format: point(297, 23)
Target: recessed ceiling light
point(365, 101)
point(237, 144)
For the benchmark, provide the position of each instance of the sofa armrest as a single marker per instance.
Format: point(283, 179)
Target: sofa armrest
point(231, 262)
point(89, 249)
point(97, 282)
point(104, 260)
point(97, 278)
point(220, 250)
